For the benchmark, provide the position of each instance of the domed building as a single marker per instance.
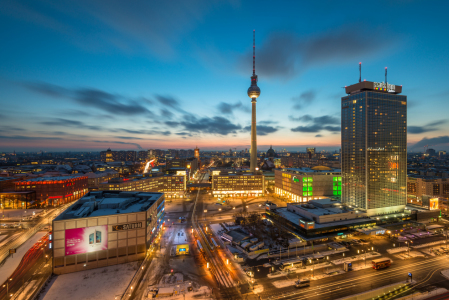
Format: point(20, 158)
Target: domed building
point(271, 152)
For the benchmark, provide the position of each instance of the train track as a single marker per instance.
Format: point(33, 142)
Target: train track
point(228, 290)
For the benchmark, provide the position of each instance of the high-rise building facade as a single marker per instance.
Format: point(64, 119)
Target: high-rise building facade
point(374, 147)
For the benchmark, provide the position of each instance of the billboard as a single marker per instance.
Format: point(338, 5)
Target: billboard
point(87, 239)
point(433, 203)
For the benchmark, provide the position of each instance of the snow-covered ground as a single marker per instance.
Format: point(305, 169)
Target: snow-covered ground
point(429, 244)
point(299, 270)
point(397, 249)
point(11, 214)
point(101, 283)
point(445, 273)
point(13, 260)
point(355, 258)
point(424, 295)
point(412, 254)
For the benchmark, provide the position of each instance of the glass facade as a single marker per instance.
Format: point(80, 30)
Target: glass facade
point(374, 149)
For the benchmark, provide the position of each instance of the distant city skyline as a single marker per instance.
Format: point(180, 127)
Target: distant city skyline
point(94, 75)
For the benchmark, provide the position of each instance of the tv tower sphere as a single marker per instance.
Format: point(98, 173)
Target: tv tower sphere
point(253, 90)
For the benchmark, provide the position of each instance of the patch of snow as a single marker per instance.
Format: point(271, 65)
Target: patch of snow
point(397, 249)
point(283, 283)
point(99, 284)
point(355, 258)
point(424, 295)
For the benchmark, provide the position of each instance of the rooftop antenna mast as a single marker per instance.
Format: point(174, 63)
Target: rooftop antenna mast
point(254, 52)
point(385, 75)
point(360, 72)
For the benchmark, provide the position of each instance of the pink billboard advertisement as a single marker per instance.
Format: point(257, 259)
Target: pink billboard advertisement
point(87, 239)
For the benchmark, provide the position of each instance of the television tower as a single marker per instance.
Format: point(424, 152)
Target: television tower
point(253, 93)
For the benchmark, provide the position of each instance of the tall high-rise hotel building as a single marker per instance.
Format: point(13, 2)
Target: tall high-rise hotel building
point(374, 147)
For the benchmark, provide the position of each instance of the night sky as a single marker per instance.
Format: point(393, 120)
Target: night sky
point(89, 75)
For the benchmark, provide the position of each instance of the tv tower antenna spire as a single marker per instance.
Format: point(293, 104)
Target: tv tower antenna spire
point(385, 75)
point(254, 52)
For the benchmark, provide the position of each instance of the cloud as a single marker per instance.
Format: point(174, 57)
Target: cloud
point(316, 124)
point(431, 141)
point(318, 135)
point(311, 128)
point(79, 124)
point(228, 108)
point(285, 54)
point(141, 27)
point(267, 122)
point(121, 143)
point(128, 138)
point(183, 134)
point(70, 123)
point(22, 137)
point(426, 128)
point(332, 128)
point(304, 99)
point(7, 128)
point(214, 125)
point(166, 113)
point(167, 101)
point(111, 103)
point(262, 129)
point(143, 131)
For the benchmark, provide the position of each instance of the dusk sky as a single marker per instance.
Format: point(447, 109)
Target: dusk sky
point(92, 75)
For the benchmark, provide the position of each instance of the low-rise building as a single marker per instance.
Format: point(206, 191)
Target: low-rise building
point(324, 217)
point(94, 179)
point(54, 191)
point(174, 186)
point(419, 186)
point(17, 200)
point(106, 228)
point(304, 184)
point(238, 184)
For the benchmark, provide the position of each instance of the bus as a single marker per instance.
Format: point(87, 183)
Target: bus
point(199, 246)
point(381, 263)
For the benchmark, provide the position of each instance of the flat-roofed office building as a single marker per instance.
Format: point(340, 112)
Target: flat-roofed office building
point(173, 186)
point(304, 184)
point(238, 184)
point(106, 228)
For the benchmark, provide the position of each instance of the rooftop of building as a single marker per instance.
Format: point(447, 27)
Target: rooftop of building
point(324, 206)
point(131, 179)
point(374, 86)
point(295, 219)
point(239, 174)
point(104, 203)
point(313, 170)
point(53, 178)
